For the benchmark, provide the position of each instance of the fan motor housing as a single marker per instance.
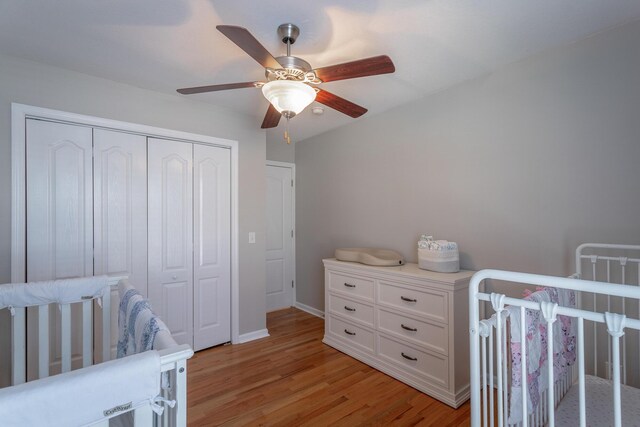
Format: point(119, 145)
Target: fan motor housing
point(293, 68)
point(293, 62)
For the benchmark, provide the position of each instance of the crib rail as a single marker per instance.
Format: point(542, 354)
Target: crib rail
point(481, 336)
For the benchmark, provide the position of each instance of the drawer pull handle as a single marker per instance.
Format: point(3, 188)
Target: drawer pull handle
point(349, 285)
point(408, 357)
point(408, 328)
point(348, 332)
point(346, 307)
point(403, 298)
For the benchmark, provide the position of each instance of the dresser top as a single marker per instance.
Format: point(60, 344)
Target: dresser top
point(407, 270)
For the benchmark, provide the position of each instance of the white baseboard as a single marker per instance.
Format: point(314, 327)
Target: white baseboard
point(250, 336)
point(309, 309)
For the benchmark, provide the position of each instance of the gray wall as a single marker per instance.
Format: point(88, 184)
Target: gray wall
point(39, 85)
point(278, 150)
point(518, 167)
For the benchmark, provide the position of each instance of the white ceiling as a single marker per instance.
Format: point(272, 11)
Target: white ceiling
point(167, 44)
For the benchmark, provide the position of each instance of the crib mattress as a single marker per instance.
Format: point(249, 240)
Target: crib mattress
point(599, 399)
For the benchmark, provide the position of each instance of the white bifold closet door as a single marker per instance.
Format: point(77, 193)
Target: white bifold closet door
point(120, 215)
point(59, 197)
point(170, 249)
point(101, 201)
point(189, 240)
point(212, 246)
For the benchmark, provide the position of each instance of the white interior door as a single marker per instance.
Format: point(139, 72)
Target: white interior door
point(59, 221)
point(212, 246)
point(120, 214)
point(280, 257)
point(170, 242)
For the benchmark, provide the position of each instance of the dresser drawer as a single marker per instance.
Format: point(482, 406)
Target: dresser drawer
point(425, 302)
point(352, 285)
point(355, 335)
point(435, 368)
point(434, 336)
point(351, 309)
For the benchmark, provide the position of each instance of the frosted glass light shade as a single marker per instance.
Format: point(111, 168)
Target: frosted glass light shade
point(288, 96)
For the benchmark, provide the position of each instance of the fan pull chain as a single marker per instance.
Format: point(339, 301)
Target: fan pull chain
point(286, 133)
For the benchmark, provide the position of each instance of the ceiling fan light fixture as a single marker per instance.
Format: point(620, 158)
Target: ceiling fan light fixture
point(288, 97)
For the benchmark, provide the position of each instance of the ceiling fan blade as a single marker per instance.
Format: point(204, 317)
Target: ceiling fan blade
point(271, 119)
point(340, 104)
point(245, 41)
point(361, 68)
point(214, 88)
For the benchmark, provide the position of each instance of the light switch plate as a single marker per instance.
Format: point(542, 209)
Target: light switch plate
point(252, 237)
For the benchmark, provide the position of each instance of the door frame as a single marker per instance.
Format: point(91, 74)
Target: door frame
point(21, 112)
point(291, 166)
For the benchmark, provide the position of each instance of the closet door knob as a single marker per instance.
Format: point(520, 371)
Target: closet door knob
point(174, 277)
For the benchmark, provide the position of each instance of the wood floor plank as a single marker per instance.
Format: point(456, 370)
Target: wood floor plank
point(292, 379)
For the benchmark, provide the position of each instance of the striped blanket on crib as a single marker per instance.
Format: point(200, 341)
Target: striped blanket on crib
point(137, 324)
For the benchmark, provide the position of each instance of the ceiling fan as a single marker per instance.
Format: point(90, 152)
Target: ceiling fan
point(291, 81)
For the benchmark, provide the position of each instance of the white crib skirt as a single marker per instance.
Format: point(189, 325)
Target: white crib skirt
point(599, 396)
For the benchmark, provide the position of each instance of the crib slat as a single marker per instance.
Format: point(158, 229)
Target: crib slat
point(87, 338)
point(609, 310)
point(106, 324)
point(43, 341)
point(65, 336)
point(549, 311)
point(523, 352)
point(505, 377)
point(617, 412)
point(623, 264)
point(615, 328)
point(499, 368)
point(483, 342)
point(18, 346)
point(181, 393)
point(491, 392)
point(581, 385)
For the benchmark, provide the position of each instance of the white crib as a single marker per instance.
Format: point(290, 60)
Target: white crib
point(97, 337)
point(600, 387)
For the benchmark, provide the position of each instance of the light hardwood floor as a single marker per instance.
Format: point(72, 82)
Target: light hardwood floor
point(292, 379)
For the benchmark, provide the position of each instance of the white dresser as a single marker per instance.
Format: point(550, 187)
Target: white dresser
point(411, 324)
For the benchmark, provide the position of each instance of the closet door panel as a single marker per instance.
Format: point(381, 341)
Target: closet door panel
point(170, 274)
point(59, 221)
point(59, 201)
point(120, 214)
point(212, 245)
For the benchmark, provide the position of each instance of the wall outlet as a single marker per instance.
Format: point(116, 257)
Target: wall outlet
point(252, 237)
